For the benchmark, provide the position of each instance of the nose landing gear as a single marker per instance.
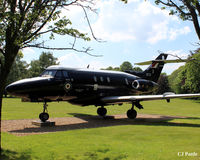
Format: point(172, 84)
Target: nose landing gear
point(101, 111)
point(44, 116)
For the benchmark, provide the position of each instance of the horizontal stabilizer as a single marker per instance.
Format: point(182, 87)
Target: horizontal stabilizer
point(165, 61)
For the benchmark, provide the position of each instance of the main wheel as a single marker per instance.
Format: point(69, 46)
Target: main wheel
point(101, 111)
point(44, 117)
point(131, 114)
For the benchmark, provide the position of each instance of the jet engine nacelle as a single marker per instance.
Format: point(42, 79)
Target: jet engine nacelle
point(143, 85)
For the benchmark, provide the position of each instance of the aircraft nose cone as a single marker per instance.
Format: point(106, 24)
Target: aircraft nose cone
point(10, 88)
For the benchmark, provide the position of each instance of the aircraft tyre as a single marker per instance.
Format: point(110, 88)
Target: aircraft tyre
point(131, 114)
point(101, 111)
point(44, 117)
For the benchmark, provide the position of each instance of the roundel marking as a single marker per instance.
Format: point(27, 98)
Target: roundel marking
point(67, 86)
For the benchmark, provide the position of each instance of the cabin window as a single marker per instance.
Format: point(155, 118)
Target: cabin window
point(65, 74)
point(108, 79)
point(48, 73)
point(148, 74)
point(59, 74)
point(101, 78)
point(126, 80)
point(95, 79)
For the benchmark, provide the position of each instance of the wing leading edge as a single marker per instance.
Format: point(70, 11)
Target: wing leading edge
point(118, 99)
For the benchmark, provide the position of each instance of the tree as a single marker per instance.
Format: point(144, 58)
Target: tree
point(186, 78)
point(18, 70)
point(175, 80)
point(126, 66)
point(163, 84)
point(185, 9)
point(138, 69)
point(23, 22)
point(109, 68)
point(192, 82)
point(180, 81)
point(34, 70)
point(46, 59)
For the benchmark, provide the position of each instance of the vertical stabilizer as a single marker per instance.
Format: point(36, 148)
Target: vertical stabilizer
point(154, 70)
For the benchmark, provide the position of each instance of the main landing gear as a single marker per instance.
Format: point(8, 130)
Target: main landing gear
point(44, 116)
point(102, 111)
point(132, 113)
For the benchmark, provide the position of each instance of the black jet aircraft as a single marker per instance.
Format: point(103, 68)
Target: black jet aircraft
point(94, 87)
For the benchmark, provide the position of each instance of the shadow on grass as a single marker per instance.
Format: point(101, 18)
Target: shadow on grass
point(96, 155)
point(11, 155)
point(91, 121)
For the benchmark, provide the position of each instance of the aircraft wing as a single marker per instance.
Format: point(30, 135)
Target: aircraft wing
point(118, 99)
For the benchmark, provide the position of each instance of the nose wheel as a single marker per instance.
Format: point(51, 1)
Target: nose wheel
point(44, 116)
point(132, 113)
point(101, 111)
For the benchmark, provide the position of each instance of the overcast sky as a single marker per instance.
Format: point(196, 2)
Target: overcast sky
point(133, 32)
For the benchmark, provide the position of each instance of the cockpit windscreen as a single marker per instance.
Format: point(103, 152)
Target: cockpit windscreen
point(48, 73)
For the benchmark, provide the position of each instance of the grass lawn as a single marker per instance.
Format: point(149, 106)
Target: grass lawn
point(150, 142)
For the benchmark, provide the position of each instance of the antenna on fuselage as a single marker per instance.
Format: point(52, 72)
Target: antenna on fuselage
point(88, 66)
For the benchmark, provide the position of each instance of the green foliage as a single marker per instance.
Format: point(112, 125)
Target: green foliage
point(21, 69)
point(192, 81)
point(18, 70)
point(186, 78)
point(185, 9)
point(27, 18)
point(178, 7)
point(172, 79)
point(23, 22)
point(112, 69)
point(126, 66)
point(46, 59)
point(35, 69)
point(177, 80)
point(163, 84)
point(138, 69)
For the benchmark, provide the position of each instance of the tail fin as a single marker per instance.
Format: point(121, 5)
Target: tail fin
point(154, 70)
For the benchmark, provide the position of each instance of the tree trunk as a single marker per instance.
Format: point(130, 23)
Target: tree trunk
point(1, 95)
point(194, 18)
point(2, 86)
point(11, 52)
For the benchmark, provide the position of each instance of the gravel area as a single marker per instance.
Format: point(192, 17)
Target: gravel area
point(81, 121)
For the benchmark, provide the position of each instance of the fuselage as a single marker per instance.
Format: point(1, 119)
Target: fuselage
point(79, 86)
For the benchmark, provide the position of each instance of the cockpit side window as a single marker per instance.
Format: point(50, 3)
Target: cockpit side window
point(65, 74)
point(59, 74)
point(48, 73)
